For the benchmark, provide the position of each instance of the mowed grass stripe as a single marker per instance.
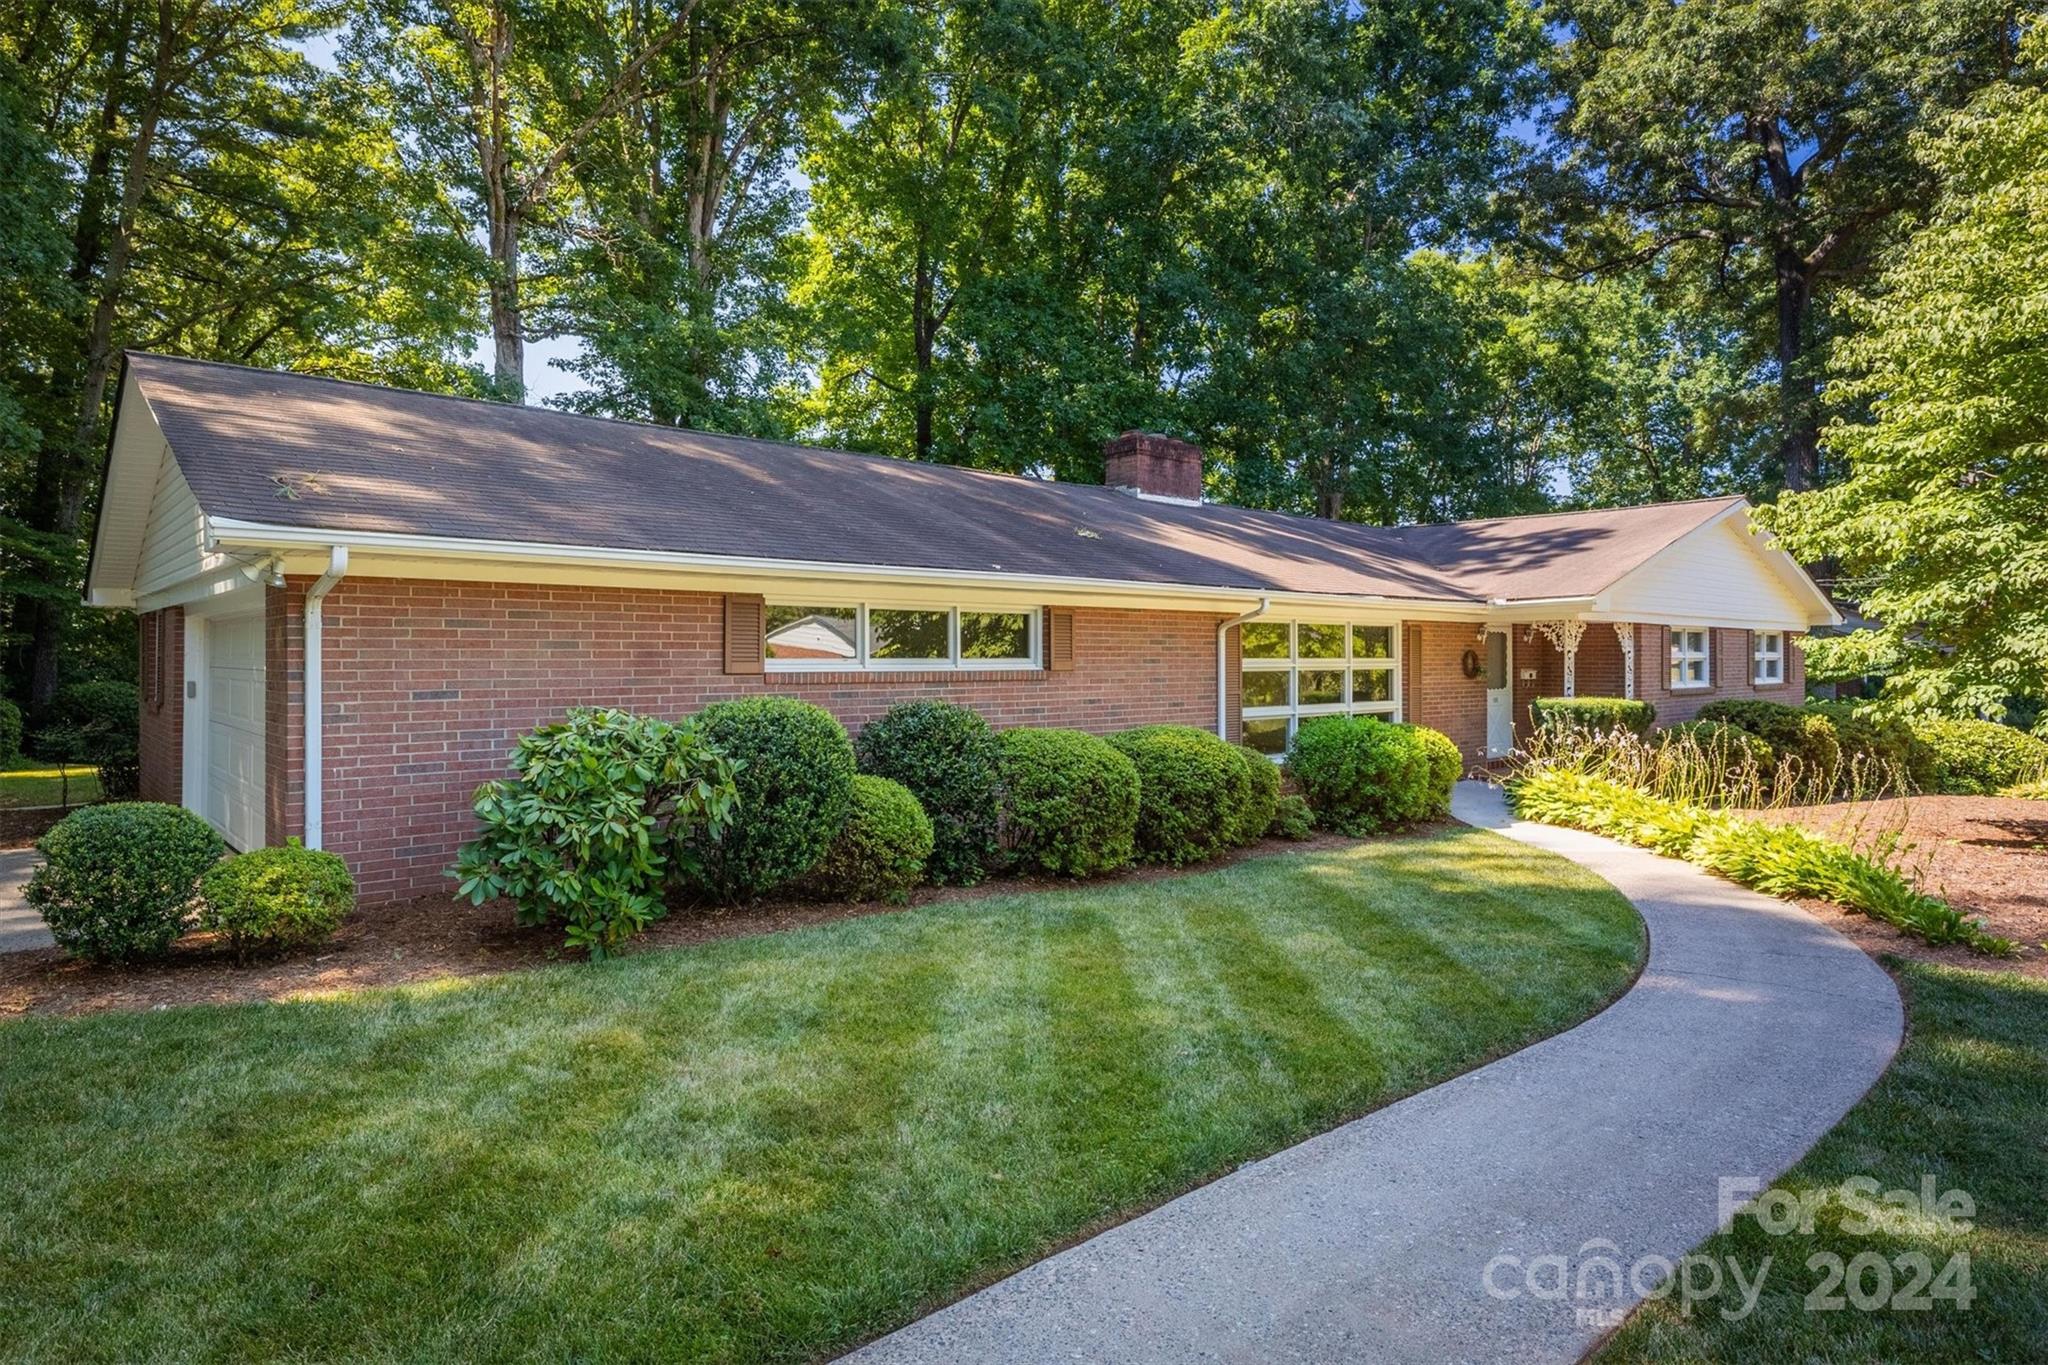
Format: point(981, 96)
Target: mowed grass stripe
point(767, 1148)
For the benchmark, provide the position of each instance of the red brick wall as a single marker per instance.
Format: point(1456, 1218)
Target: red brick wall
point(161, 749)
point(1600, 671)
point(428, 684)
point(1434, 689)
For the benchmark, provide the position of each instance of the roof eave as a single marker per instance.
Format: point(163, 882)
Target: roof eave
point(231, 533)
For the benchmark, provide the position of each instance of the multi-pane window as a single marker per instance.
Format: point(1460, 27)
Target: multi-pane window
point(812, 636)
point(1298, 670)
point(1767, 657)
point(1691, 662)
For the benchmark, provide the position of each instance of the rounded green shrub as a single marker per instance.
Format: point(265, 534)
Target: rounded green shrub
point(117, 881)
point(1976, 757)
point(1362, 775)
point(1292, 818)
point(880, 852)
point(1070, 802)
point(1192, 789)
point(10, 730)
point(947, 756)
point(1719, 741)
point(1261, 796)
point(794, 774)
point(1446, 765)
point(1792, 731)
point(1864, 736)
point(590, 826)
point(1596, 715)
point(273, 898)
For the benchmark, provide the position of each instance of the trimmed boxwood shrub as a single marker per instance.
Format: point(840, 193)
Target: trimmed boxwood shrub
point(1070, 802)
point(1976, 757)
point(1719, 740)
point(1261, 796)
point(10, 730)
point(1791, 731)
point(1292, 818)
point(1362, 775)
point(117, 881)
point(879, 853)
point(1599, 715)
point(290, 897)
point(1867, 737)
point(1192, 789)
point(794, 775)
point(947, 756)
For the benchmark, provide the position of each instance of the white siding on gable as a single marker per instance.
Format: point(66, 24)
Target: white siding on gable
point(1717, 576)
point(174, 546)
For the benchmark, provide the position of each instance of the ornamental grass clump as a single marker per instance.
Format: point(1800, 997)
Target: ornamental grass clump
point(1779, 860)
point(596, 818)
point(1712, 763)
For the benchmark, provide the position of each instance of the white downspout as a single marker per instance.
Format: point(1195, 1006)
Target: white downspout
point(1222, 667)
point(337, 565)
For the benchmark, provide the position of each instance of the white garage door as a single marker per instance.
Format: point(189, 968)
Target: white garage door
point(234, 729)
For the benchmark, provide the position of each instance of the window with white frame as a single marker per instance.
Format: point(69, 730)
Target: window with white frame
point(813, 635)
point(1297, 670)
point(1767, 657)
point(1691, 661)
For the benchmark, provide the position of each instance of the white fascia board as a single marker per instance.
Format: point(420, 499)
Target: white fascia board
point(228, 533)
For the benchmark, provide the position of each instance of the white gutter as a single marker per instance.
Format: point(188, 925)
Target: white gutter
point(1222, 669)
point(337, 565)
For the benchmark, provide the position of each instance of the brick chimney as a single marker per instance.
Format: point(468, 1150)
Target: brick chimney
point(1148, 465)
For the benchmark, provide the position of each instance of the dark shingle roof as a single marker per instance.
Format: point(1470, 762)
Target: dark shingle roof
point(368, 459)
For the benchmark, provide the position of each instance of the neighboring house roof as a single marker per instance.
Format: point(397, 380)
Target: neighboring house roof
point(298, 451)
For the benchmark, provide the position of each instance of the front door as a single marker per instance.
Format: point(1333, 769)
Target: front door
point(1500, 695)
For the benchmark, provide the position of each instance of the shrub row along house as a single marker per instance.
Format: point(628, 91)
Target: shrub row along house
point(353, 599)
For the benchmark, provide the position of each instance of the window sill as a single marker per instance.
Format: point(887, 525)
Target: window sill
point(840, 677)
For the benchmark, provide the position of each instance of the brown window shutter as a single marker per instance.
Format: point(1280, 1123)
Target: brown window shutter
point(1059, 639)
point(1746, 660)
point(745, 650)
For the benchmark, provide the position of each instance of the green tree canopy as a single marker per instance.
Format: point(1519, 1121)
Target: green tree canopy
point(1938, 528)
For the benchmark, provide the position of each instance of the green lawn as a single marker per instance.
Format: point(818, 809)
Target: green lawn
point(768, 1147)
point(32, 782)
point(1966, 1102)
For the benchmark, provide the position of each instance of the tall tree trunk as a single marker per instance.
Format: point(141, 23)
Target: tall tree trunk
point(64, 464)
point(1798, 419)
point(926, 323)
point(508, 338)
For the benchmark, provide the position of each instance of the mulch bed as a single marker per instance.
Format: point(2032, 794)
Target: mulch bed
point(21, 826)
point(1985, 855)
point(435, 937)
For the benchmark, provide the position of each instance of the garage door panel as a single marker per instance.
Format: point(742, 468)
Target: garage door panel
point(235, 729)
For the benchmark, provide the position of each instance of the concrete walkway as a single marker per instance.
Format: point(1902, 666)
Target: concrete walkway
point(1752, 1031)
point(20, 927)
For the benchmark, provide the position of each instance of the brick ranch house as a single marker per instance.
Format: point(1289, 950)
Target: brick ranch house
point(352, 599)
